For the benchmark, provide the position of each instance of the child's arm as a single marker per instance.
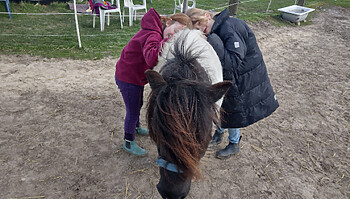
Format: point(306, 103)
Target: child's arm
point(215, 41)
point(151, 49)
point(233, 46)
point(235, 40)
point(228, 62)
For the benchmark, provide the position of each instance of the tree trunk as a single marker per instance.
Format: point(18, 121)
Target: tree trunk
point(233, 8)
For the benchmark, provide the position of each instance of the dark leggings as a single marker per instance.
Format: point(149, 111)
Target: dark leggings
point(133, 100)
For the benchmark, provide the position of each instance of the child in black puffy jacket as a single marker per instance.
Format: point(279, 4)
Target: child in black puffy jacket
point(251, 97)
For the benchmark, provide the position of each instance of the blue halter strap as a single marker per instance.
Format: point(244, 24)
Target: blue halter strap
point(168, 165)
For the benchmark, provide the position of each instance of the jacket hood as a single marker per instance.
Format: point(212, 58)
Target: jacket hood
point(220, 19)
point(151, 21)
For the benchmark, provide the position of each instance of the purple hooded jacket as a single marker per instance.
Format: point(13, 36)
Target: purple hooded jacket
point(141, 53)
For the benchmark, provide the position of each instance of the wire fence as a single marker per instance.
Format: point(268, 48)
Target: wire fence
point(245, 11)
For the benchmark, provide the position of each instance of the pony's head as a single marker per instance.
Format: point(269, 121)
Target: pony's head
point(181, 109)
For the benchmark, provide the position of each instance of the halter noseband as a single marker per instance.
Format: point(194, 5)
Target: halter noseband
point(168, 165)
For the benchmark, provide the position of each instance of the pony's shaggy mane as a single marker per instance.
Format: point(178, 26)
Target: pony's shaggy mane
point(178, 114)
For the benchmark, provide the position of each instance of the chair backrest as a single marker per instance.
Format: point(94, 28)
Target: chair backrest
point(180, 5)
point(128, 3)
point(193, 5)
point(105, 5)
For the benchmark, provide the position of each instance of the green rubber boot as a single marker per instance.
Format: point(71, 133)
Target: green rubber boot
point(141, 131)
point(132, 147)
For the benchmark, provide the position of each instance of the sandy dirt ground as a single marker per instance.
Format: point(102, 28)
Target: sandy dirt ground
point(62, 126)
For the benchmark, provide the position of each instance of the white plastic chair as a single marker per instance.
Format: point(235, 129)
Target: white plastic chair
point(133, 8)
point(104, 12)
point(180, 5)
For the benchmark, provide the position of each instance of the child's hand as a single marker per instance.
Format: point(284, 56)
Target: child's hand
point(168, 36)
point(204, 36)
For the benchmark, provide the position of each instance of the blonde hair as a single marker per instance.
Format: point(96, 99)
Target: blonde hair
point(198, 15)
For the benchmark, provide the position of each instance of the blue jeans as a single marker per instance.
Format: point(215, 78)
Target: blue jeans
point(233, 134)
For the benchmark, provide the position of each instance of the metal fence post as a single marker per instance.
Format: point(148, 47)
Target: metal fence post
point(185, 6)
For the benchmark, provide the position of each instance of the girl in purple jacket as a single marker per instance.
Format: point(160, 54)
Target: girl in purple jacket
point(140, 54)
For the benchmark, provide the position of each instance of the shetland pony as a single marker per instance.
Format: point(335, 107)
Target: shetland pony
point(180, 113)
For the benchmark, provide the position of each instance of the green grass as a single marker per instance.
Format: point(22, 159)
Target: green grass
point(55, 35)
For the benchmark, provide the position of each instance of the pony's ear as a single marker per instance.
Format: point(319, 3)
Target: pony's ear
point(155, 79)
point(216, 91)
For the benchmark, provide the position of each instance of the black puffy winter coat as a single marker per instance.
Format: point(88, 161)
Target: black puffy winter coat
point(251, 98)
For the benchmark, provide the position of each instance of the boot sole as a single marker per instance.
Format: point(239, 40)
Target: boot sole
point(225, 157)
point(132, 152)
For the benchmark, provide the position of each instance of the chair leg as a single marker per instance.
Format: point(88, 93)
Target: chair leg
point(130, 16)
point(123, 13)
point(102, 20)
point(108, 19)
point(121, 22)
point(93, 19)
point(8, 9)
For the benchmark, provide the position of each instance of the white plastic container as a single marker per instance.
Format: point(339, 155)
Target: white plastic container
point(295, 13)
